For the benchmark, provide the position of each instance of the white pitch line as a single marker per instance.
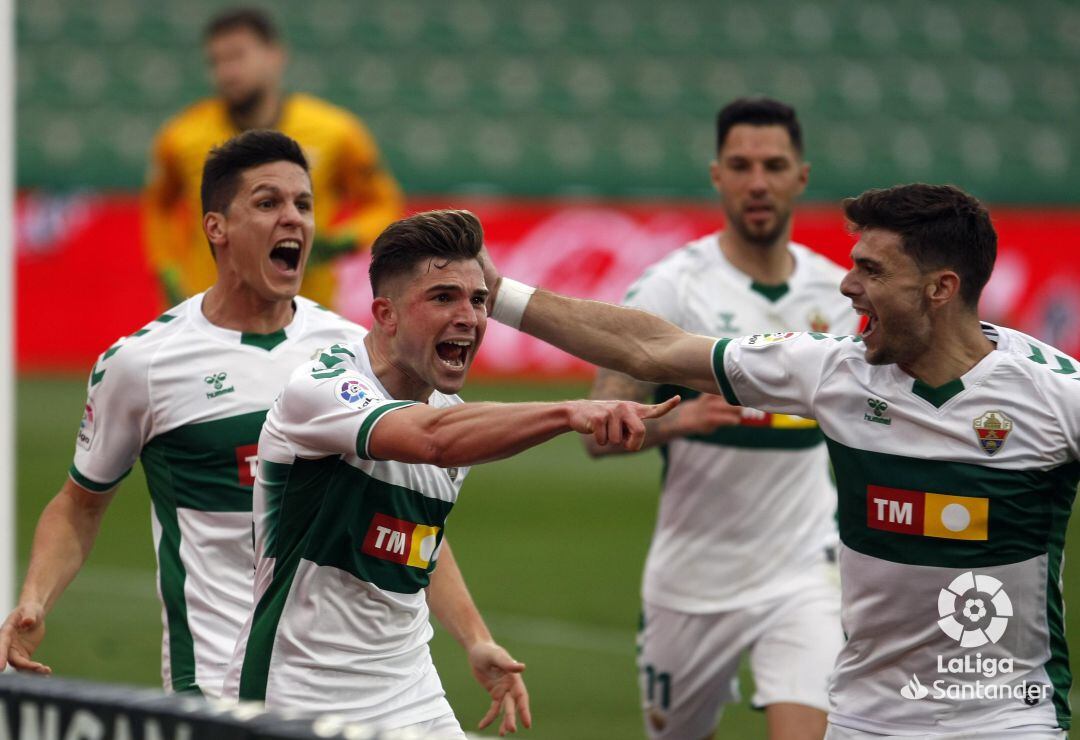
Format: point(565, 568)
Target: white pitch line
point(137, 584)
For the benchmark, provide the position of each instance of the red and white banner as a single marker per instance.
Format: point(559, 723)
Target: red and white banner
point(82, 278)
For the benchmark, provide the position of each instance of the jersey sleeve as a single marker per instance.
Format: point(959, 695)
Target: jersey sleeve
point(330, 411)
point(779, 373)
point(656, 291)
point(116, 420)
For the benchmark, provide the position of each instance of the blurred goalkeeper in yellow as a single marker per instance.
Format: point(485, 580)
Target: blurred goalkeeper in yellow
point(357, 196)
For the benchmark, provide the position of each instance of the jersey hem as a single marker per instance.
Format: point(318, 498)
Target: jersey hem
point(718, 372)
point(93, 486)
point(363, 436)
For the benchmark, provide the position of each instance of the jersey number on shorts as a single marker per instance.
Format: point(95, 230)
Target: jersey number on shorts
point(652, 679)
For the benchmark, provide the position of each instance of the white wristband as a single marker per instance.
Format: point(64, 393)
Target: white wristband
point(510, 302)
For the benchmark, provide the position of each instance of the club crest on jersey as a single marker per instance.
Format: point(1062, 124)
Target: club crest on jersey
point(818, 322)
point(353, 394)
point(992, 429)
point(756, 341)
point(86, 427)
point(401, 541)
point(453, 473)
point(216, 381)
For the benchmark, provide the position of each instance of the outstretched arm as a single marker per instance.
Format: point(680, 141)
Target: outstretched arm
point(631, 341)
point(700, 415)
point(494, 669)
point(62, 541)
point(473, 433)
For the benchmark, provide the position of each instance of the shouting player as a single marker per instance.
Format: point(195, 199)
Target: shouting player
point(187, 394)
point(361, 459)
point(739, 561)
point(956, 448)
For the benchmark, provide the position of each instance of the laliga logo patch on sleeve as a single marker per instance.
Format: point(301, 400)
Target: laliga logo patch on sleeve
point(354, 393)
point(757, 341)
point(85, 436)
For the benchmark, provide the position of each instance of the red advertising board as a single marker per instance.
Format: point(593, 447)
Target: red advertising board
point(83, 281)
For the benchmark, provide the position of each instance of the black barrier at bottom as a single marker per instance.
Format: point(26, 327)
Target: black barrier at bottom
point(47, 708)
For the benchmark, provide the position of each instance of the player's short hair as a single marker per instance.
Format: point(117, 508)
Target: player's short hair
point(227, 162)
point(940, 227)
point(448, 236)
point(249, 19)
point(758, 111)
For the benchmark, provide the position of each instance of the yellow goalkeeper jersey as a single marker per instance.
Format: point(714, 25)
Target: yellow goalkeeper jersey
point(355, 196)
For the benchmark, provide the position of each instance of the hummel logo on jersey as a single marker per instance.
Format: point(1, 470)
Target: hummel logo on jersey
point(217, 382)
point(992, 430)
point(400, 541)
point(879, 408)
point(927, 514)
point(727, 325)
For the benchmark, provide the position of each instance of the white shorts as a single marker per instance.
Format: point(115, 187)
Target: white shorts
point(1038, 733)
point(445, 727)
point(688, 664)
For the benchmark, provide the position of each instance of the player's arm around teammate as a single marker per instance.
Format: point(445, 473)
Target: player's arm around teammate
point(65, 534)
point(449, 600)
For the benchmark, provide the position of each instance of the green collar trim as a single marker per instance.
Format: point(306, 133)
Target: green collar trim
point(772, 292)
point(937, 396)
point(263, 341)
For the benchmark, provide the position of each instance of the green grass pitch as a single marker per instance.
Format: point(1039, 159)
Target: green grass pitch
point(551, 543)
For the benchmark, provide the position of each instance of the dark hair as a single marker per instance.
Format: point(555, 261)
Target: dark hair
point(446, 235)
point(235, 19)
point(940, 226)
point(760, 111)
point(227, 162)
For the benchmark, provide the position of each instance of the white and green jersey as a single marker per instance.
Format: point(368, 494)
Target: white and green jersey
point(953, 503)
point(345, 546)
point(747, 511)
point(189, 399)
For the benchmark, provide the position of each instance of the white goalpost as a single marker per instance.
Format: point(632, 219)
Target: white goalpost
point(7, 306)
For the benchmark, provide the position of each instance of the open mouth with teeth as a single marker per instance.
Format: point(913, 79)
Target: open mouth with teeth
point(285, 255)
point(454, 352)
point(871, 322)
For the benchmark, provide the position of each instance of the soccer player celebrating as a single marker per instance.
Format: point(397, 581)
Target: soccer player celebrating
point(361, 459)
point(188, 393)
point(357, 196)
point(739, 559)
point(956, 447)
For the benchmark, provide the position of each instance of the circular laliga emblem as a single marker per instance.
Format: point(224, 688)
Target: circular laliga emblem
point(351, 391)
point(974, 610)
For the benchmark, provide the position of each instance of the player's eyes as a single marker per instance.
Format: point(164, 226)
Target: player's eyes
point(303, 205)
point(479, 301)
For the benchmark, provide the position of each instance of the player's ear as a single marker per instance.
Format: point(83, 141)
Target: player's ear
point(714, 173)
point(943, 287)
point(214, 228)
point(384, 314)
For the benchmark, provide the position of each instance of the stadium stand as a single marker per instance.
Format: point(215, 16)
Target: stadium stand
point(560, 97)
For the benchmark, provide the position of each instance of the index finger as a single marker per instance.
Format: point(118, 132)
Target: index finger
point(657, 410)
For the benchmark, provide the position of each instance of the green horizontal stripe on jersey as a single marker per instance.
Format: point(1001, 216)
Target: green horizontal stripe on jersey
point(353, 498)
point(369, 422)
point(721, 376)
point(321, 511)
point(747, 437)
point(94, 486)
point(1027, 512)
point(199, 462)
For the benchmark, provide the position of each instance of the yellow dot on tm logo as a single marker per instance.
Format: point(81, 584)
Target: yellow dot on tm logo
point(955, 517)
